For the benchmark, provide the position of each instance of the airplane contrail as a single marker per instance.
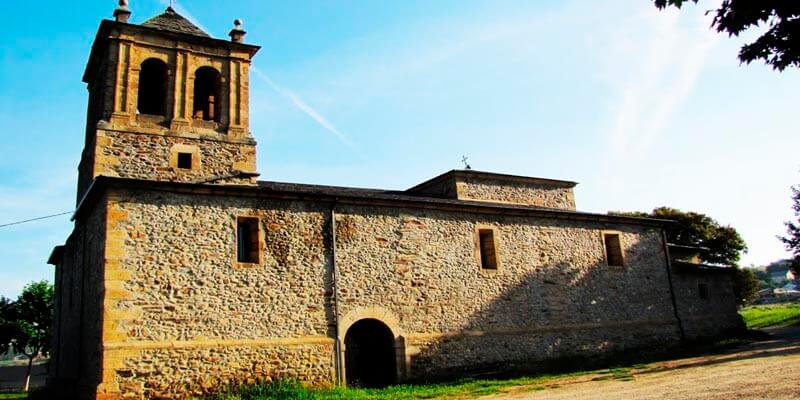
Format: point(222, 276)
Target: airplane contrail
point(294, 98)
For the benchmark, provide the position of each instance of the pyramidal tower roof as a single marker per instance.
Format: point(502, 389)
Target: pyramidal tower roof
point(173, 22)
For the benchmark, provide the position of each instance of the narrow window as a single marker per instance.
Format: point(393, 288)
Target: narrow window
point(488, 253)
point(207, 99)
point(613, 250)
point(153, 87)
point(247, 240)
point(185, 160)
point(702, 290)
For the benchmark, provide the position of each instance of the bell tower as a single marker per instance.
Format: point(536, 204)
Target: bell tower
point(168, 102)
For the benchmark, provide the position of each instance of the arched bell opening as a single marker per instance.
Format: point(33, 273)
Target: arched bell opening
point(207, 94)
point(152, 94)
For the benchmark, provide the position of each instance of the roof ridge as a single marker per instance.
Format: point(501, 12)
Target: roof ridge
point(171, 21)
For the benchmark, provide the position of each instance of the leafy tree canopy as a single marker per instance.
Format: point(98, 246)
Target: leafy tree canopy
point(779, 46)
point(745, 285)
point(721, 244)
point(25, 324)
point(792, 239)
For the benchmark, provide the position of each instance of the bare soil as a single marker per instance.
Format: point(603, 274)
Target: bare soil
point(762, 370)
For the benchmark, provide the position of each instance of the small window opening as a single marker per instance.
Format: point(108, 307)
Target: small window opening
point(153, 87)
point(613, 250)
point(247, 240)
point(488, 253)
point(207, 99)
point(185, 160)
point(702, 290)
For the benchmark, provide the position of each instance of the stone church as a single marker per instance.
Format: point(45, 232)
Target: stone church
point(184, 273)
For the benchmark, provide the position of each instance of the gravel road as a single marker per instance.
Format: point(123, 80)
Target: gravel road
point(763, 370)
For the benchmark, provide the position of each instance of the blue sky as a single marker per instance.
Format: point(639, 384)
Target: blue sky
point(643, 108)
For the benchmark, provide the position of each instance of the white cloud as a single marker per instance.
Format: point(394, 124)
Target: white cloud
point(653, 67)
point(298, 102)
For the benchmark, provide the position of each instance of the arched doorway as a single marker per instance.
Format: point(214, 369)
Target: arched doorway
point(369, 354)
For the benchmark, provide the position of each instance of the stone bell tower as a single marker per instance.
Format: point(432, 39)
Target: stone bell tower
point(167, 102)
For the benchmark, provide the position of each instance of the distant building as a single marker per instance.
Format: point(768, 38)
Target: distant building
point(184, 272)
point(782, 277)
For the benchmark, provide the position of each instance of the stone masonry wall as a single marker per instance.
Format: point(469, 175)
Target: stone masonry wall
point(199, 368)
point(76, 367)
point(703, 318)
point(154, 156)
point(552, 288)
point(433, 357)
point(516, 192)
point(188, 316)
point(195, 317)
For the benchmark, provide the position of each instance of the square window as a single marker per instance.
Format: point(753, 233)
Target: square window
point(702, 290)
point(247, 248)
point(185, 160)
point(487, 249)
point(613, 250)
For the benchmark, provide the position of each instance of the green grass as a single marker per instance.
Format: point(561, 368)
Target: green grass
point(467, 388)
point(625, 370)
point(627, 365)
point(295, 390)
point(13, 395)
point(771, 315)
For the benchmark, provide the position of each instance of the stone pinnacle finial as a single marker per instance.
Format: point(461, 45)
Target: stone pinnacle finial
point(237, 33)
point(122, 13)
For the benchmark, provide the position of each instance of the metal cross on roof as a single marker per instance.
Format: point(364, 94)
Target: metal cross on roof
point(464, 160)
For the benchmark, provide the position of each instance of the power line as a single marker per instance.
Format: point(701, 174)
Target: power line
point(35, 219)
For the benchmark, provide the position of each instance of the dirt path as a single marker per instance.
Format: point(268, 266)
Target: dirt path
point(763, 370)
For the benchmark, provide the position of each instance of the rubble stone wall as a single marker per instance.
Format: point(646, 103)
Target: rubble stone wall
point(154, 156)
point(185, 310)
point(711, 316)
point(552, 294)
point(540, 195)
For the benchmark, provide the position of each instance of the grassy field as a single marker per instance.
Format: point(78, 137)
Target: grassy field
point(771, 315)
point(13, 395)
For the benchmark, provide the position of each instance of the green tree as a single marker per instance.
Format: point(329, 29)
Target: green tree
point(792, 239)
point(779, 46)
point(745, 285)
point(721, 245)
point(25, 324)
